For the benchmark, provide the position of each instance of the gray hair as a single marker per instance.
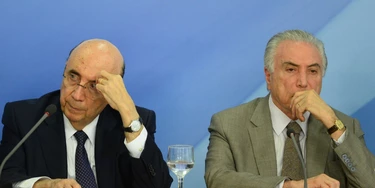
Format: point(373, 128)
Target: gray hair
point(293, 35)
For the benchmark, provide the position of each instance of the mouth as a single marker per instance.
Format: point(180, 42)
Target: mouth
point(73, 109)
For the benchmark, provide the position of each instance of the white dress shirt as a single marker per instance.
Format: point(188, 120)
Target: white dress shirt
point(279, 123)
point(135, 148)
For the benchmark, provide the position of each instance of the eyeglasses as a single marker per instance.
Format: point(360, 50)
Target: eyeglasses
point(74, 80)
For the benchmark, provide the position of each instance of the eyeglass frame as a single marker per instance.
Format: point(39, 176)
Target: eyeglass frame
point(92, 91)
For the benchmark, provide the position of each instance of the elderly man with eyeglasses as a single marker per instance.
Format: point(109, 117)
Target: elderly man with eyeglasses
point(117, 147)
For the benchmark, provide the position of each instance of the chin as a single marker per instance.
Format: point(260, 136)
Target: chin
point(73, 116)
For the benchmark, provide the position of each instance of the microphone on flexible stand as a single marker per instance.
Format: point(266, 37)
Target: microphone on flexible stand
point(51, 109)
point(291, 133)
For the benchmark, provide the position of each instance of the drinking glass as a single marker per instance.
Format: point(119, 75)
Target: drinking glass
point(180, 160)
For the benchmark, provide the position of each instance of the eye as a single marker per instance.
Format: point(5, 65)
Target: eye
point(91, 86)
point(290, 69)
point(74, 78)
point(313, 71)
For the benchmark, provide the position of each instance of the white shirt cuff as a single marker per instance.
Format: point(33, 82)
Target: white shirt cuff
point(28, 183)
point(280, 185)
point(137, 146)
point(341, 139)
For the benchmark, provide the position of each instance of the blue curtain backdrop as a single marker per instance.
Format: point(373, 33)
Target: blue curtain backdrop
point(189, 59)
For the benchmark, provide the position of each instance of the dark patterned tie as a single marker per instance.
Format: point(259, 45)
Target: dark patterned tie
point(84, 174)
point(292, 166)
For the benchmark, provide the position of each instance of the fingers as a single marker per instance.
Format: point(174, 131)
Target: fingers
point(109, 76)
point(330, 182)
point(297, 97)
point(105, 74)
point(63, 183)
point(323, 181)
point(298, 105)
point(57, 183)
point(309, 100)
point(100, 81)
point(104, 77)
point(113, 89)
point(108, 80)
point(300, 110)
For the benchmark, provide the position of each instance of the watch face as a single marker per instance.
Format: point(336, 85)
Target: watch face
point(339, 124)
point(135, 125)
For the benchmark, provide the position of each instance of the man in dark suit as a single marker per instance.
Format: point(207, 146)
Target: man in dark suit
point(247, 142)
point(119, 145)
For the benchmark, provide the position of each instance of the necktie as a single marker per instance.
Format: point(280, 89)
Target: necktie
point(84, 174)
point(292, 166)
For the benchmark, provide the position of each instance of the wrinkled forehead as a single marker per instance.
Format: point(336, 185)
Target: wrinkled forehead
point(298, 52)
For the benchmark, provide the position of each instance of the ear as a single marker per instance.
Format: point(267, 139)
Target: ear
point(267, 74)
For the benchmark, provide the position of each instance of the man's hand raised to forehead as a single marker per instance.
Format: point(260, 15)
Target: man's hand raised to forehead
point(114, 91)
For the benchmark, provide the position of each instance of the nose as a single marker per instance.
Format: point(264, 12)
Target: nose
point(302, 80)
point(78, 93)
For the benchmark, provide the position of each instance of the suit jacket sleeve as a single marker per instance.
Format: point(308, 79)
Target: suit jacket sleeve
point(221, 170)
point(358, 163)
point(150, 170)
point(14, 169)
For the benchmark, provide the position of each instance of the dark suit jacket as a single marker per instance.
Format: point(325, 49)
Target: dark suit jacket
point(241, 151)
point(44, 153)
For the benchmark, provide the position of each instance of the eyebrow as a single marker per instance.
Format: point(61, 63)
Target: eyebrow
point(295, 65)
point(72, 71)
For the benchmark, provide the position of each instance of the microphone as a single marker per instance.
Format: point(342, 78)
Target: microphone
point(290, 133)
point(51, 109)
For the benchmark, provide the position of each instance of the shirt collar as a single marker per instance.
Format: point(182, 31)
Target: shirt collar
point(89, 129)
point(280, 120)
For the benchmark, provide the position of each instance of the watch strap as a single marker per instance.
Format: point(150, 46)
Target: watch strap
point(129, 129)
point(333, 129)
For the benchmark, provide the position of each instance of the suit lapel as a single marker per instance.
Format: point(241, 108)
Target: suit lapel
point(262, 139)
point(108, 142)
point(317, 147)
point(51, 134)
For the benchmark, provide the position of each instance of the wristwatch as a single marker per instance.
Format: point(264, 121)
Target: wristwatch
point(134, 126)
point(337, 126)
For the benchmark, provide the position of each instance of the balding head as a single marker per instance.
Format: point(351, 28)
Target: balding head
point(98, 51)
